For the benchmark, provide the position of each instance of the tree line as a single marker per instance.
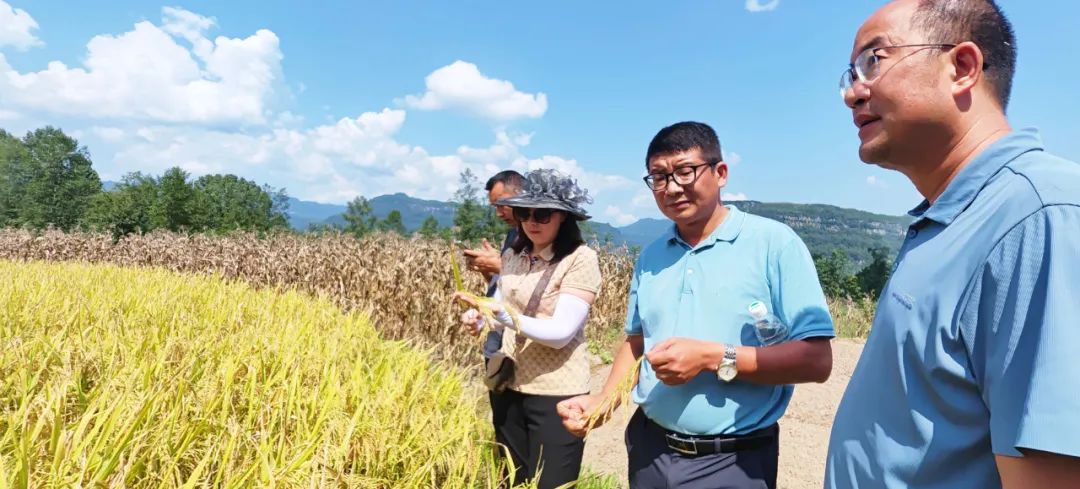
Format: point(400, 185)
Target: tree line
point(47, 180)
point(835, 272)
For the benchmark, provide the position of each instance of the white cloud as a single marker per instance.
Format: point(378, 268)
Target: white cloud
point(757, 6)
point(329, 163)
point(332, 162)
point(643, 198)
point(732, 159)
point(187, 25)
point(874, 181)
point(166, 94)
point(595, 183)
point(619, 218)
point(507, 153)
point(16, 28)
point(461, 86)
point(733, 197)
point(146, 74)
point(108, 134)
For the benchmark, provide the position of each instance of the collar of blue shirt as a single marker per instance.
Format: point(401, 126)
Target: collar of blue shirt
point(973, 177)
point(726, 231)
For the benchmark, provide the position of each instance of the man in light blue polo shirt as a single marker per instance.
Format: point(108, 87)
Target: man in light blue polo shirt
point(969, 377)
point(710, 392)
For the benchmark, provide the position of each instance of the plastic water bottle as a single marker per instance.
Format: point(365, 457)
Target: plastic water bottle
point(768, 328)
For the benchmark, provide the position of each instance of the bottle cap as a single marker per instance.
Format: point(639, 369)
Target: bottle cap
point(758, 311)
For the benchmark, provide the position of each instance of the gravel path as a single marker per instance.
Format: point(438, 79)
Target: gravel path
point(804, 429)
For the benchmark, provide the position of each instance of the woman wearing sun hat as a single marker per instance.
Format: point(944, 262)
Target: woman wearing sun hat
point(551, 278)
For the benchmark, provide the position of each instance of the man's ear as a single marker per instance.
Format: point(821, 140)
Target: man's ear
point(721, 174)
point(967, 67)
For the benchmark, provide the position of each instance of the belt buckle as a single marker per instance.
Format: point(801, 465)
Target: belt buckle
point(682, 445)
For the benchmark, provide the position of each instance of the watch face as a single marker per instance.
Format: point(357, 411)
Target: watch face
point(726, 372)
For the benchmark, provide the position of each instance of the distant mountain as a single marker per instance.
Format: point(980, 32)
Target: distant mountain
point(302, 212)
point(413, 211)
point(603, 233)
point(644, 231)
point(822, 227)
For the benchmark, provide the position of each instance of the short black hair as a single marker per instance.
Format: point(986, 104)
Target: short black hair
point(685, 136)
point(981, 22)
point(566, 242)
point(509, 178)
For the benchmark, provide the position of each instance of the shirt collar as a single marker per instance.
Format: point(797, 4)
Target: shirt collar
point(547, 254)
point(963, 189)
point(726, 231)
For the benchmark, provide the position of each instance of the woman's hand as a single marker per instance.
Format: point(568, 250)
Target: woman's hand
point(471, 321)
point(470, 300)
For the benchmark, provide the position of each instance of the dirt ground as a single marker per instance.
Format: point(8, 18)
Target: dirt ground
point(804, 435)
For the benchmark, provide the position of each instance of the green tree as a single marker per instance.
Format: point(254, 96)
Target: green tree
point(126, 209)
point(177, 206)
point(57, 180)
point(279, 206)
point(430, 228)
point(834, 275)
point(393, 224)
point(359, 217)
point(872, 277)
point(232, 203)
point(494, 228)
point(13, 177)
point(470, 221)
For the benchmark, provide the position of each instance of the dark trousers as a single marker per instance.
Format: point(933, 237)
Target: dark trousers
point(532, 431)
point(655, 466)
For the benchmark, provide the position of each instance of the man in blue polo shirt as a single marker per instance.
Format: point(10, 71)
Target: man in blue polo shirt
point(710, 393)
point(968, 379)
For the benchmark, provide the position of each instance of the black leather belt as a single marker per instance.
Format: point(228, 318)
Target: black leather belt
point(694, 445)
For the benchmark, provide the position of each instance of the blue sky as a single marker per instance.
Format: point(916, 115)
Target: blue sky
point(335, 100)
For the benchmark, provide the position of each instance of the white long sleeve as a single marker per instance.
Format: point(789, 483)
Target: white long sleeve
point(570, 314)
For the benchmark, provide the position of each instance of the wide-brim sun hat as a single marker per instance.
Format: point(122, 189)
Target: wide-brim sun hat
point(551, 189)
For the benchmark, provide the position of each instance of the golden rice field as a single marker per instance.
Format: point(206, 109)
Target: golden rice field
point(113, 377)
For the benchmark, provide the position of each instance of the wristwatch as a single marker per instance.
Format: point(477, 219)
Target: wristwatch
point(727, 370)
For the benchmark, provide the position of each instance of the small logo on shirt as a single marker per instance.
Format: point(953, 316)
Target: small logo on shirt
point(904, 300)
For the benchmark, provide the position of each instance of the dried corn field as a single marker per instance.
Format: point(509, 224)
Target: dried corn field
point(404, 284)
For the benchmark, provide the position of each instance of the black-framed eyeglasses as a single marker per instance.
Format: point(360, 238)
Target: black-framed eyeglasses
point(867, 65)
point(685, 175)
point(539, 216)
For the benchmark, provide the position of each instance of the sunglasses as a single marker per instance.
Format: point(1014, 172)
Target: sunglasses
point(539, 216)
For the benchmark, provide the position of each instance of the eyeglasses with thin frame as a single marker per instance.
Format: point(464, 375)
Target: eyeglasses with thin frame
point(539, 216)
point(685, 175)
point(867, 65)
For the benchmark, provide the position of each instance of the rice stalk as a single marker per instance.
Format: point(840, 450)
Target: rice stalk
point(620, 396)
